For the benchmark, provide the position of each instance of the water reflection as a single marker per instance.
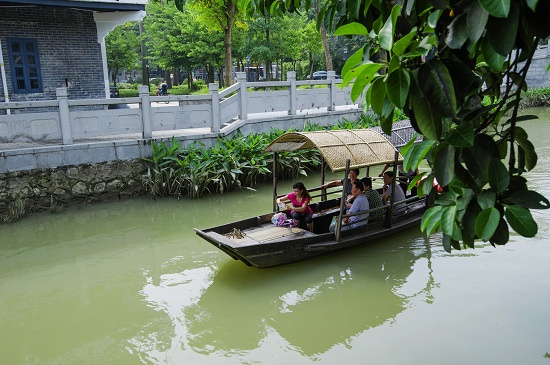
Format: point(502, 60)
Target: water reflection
point(313, 306)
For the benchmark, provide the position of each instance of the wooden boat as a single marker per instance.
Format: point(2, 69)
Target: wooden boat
point(256, 241)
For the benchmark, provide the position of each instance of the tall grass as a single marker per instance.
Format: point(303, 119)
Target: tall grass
point(232, 163)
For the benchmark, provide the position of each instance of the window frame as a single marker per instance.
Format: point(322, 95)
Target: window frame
point(25, 65)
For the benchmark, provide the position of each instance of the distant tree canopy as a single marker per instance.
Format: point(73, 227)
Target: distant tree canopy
point(122, 46)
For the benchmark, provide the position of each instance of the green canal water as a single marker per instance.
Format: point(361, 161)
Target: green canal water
point(130, 283)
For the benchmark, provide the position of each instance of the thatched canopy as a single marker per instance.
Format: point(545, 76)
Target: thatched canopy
point(363, 147)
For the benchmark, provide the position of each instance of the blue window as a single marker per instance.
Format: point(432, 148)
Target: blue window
point(25, 65)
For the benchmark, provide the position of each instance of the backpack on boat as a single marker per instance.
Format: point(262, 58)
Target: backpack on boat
point(281, 220)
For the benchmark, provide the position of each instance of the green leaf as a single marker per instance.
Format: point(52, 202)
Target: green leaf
point(502, 32)
point(476, 21)
point(428, 214)
point(405, 149)
point(497, 8)
point(457, 32)
point(416, 154)
point(530, 154)
point(427, 119)
point(486, 223)
point(486, 199)
point(432, 19)
point(378, 93)
point(352, 29)
point(445, 165)
point(363, 79)
point(461, 135)
point(433, 219)
point(355, 59)
point(492, 57)
point(502, 234)
point(532, 4)
point(477, 161)
point(448, 219)
point(401, 45)
point(415, 181)
point(385, 36)
point(436, 83)
point(521, 220)
point(528, 199)
point(499, 178)
point(397, 87)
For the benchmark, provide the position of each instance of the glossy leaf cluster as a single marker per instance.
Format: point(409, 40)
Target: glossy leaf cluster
point(437, 60)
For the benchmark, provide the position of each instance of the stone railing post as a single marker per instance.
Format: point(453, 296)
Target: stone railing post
point(331, 76)
point(215, 107)
point(291, 76)
point(64, 117)
point(241, 79)
point(145, 111)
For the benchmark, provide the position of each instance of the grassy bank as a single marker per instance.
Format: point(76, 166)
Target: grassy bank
point(535, 97)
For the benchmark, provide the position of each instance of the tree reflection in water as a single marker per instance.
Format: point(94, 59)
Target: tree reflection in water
point(314, 305)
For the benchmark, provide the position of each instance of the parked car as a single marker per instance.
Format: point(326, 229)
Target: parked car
point(321, 75)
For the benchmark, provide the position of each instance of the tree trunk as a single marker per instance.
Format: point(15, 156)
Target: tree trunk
point(230, 17)
point(267, 62)
point(220, 77)
point(167, 78)
point(210, 74)
point(328, 57)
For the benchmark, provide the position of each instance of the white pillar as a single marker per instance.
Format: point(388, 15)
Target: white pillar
point(215, 107)
point(241, 79)
point(291, 76)
point(331, 76)
point(145, 111)
point(64, 116)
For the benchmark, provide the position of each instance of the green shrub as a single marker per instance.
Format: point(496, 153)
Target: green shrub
point(127, 93)
point(125, 85)
point(535, 97)
point(179, 90)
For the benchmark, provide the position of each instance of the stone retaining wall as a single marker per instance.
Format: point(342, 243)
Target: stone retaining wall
point(57, 188)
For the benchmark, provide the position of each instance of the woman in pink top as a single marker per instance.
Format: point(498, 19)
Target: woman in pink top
point(300, 200)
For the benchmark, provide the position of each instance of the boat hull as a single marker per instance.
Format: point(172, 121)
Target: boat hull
point(265, 245)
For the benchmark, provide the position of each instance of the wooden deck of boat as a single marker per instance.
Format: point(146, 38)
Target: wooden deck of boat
point(267, 233)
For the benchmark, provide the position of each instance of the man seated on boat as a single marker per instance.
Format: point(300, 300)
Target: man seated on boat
point(388, 191)
point(375, 200)
point(404, 178)
point(360, 204)
point(300, 200)
point(353, 174)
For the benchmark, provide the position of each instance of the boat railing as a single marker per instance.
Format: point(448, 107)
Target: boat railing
point(408, 202)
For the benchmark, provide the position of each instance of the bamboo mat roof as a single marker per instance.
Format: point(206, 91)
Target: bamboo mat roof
point(363, 147)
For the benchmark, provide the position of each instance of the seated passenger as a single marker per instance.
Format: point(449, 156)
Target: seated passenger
point(404, 178)
point(300, 200)
point(360, 204)
point(353, 174)
point(375, 200)
point(399, 194)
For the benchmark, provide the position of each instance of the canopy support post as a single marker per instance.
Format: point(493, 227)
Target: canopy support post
point(389, 218)
point(323, 190)
point(275, 206)
point(338, 229)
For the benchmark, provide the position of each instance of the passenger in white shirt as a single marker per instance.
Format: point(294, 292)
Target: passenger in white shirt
point(399, 194)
